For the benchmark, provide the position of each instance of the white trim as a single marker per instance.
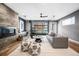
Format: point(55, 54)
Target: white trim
point(74, 41)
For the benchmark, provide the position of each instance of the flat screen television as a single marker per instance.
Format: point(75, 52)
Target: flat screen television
point(0, 32)
point(6, 32)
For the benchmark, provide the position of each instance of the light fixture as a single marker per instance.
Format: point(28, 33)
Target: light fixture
point(42, 16)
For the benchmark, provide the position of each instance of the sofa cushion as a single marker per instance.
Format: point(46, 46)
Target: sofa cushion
point(60, 42)
point(52, 34)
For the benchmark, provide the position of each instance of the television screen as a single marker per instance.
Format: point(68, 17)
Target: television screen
point(11, 31)
point(0, 32)
point(6, 32)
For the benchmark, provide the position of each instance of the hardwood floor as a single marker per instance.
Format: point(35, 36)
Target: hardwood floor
point(46, 50)
point(9, 49)
point(14, 49)
point(74, 46)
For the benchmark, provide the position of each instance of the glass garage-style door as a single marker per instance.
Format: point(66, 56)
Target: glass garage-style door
point(39, 27)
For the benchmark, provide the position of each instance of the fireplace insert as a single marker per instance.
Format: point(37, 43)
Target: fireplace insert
point(7, 31)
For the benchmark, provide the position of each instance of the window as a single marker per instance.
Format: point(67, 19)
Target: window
point(69, 21)
point(40, 27)
point(22, 25)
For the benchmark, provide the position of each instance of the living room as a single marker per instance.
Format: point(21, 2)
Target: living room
point(56, 28)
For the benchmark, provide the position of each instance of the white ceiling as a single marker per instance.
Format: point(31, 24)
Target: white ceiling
point(32, 10)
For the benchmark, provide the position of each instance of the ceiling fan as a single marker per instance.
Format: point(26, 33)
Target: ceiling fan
point(42, 16)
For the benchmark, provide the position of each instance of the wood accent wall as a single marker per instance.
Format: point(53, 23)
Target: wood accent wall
point(8, 18)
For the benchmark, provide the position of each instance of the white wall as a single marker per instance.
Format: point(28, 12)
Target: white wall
point(50, 26)
point(54, 25)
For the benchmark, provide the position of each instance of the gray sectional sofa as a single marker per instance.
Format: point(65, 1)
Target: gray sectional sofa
point(57, 41)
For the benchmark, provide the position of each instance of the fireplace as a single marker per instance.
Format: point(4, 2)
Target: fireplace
point(7, 31)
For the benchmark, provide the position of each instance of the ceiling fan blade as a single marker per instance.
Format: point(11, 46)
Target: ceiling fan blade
point(44, 16)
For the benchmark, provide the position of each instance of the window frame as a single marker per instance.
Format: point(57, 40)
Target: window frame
point(23, 26)
point(68, 21)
